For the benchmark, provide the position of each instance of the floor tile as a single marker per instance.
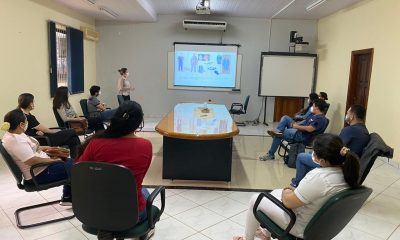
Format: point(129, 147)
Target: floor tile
point(395, 235)
point(242, 197)
point(197, 236)
point(70, 234)
point(200, 196)
point(9, 233)
point(177, 204)
point(172, 229)
point(372, 226)
point(224, 230)
point(240, 218)
point(226, 207)
point(199, 218)
point(350, 233)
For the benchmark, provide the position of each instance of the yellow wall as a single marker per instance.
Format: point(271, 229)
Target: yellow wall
point(369, 24)
point(24, 59)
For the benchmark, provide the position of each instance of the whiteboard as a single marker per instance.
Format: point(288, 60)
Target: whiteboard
point(287, 75)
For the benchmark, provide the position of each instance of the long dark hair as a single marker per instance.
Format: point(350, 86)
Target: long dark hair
point(15, 117)
point(61, 98)
point(24, 100)
point(328, 147)
point(126, 120)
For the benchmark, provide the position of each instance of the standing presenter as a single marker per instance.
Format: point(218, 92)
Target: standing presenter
point(124, 87)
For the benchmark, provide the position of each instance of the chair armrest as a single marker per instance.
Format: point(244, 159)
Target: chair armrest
point(61, 128)
point(237, 106)
point(149, 204)
point(278, 203)
point(44, 165)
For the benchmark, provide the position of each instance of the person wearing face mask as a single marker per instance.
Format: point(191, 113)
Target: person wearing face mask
point(124, 87)
point(303, 131)
point(57, 137)
point(339, 171)
point(304, 113)
point(27, 152)
point(97, 109)
point(355, 137)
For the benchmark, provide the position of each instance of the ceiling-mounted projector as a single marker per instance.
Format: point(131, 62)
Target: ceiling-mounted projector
point(203, 7)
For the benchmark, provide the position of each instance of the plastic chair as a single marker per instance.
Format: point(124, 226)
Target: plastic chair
point(105, 201)
point(32, 186)
point(239, 109)
point(330, 219)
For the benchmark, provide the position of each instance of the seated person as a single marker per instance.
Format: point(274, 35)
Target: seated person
point(338, 172)
point(304, 113)
point(355, 137)
point(118, 144)
point(303, 131)
point(27, 152)
point(57, 137)
point(63, 106)
point(97, 109)
point(323, 96)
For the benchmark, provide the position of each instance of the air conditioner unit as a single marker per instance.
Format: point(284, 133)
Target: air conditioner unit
point(90, 34)
point(201, 24)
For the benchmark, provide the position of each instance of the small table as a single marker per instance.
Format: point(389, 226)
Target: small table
point(197, 142)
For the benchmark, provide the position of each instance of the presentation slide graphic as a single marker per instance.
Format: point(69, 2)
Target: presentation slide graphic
point(205, 69)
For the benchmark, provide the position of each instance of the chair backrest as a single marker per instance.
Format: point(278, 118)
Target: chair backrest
point(336, 213)
point(246, 103)
point(326, 125)
point(84, 106)
point(59, 120)
point(15, 170)
point(327, 108)
point(120, 99)
point(105, 196)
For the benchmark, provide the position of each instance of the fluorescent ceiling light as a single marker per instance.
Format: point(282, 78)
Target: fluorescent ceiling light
point(108, 11)
point(314, 5)
point(90, 2)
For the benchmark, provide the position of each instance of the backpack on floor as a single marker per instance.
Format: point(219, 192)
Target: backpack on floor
point(293, 151)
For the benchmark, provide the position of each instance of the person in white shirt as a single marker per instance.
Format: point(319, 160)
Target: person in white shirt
point(339, 171)
point(27, 152)
point(124, 87)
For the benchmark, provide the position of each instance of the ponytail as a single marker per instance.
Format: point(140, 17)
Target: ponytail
point(351, 169)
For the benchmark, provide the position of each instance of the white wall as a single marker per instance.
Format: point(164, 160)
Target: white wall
point(369, 24)
point(24, 60)
point(143, 47)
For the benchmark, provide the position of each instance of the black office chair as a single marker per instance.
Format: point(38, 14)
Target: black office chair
point(239, 109)
point(94, 123)
point(87, 131)
point(285, 145)
point(32, 186)
point(105, 201)
point(330, 219)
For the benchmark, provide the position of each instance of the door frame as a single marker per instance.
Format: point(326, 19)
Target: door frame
point(353, 72)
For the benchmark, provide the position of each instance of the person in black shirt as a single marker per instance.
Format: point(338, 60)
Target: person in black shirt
point(57, 137)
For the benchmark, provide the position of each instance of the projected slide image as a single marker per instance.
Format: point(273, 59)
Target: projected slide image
point(205, 69)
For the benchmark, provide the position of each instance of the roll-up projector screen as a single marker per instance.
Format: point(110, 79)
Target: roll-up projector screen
point(204, 67)
point(290, 75)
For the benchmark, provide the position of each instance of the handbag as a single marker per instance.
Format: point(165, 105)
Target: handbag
point(80, 126)
point(58, 152)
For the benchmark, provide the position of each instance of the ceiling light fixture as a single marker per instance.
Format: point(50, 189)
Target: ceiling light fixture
point(314, 5)
point(108, 11)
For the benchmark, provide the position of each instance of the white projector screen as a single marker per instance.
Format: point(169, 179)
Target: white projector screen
point(287, 75)
point(204, 67)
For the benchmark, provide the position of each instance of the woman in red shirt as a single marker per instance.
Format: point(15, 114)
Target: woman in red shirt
point(118, 144)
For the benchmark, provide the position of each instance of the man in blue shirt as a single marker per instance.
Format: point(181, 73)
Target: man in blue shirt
point(355, 137)
point(299, 132)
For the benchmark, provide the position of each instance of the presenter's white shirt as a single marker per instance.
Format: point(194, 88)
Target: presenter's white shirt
point(314, 190)
point(22, 148)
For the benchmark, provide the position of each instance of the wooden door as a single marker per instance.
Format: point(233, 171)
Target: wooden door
point(360, 76)
point(287, 106)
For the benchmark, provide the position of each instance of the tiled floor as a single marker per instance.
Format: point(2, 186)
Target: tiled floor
point(203, 214)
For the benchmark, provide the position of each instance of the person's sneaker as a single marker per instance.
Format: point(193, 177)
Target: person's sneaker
point(266, 157)
point(66, 201)
point(275, 133)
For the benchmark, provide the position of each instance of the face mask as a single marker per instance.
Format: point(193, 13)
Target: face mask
point(347, 119)
point(311, 109)
point(99, 92)
point(26, 127)
point(313, 158)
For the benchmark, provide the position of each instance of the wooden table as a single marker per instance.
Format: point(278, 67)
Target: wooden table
point(197, 142)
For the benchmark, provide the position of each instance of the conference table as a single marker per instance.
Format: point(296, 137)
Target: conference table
point(197, 142)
